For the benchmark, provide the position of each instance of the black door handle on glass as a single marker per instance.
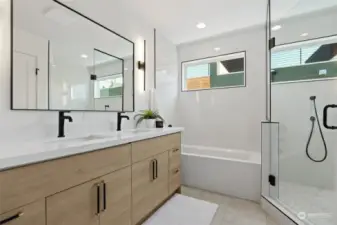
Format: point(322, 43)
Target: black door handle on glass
point(325, 117)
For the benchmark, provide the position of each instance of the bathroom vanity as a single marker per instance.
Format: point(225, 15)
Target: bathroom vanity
point(117, 180)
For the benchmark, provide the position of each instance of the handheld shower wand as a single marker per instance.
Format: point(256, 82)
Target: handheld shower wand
point(313, 119)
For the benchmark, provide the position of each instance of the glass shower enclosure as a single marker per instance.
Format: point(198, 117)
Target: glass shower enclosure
point(302, 108)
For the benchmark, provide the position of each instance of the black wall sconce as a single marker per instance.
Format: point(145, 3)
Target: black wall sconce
point(142, 66)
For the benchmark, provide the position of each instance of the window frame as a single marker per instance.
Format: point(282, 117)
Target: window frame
point(183, 80)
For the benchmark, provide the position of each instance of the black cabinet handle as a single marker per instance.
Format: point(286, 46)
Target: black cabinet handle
point(175, 150)
point(325, 117)
point(9, 219)
point(156, 168)
point(104, 197)
point(98, 189)
point(152, 170)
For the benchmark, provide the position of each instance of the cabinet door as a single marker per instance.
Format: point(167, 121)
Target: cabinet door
point(142, 190)
point(76, 206)
point(117, 210)
point(31, 214)
point(160, 185)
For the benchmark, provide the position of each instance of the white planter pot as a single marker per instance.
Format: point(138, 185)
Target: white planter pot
point(150, 123)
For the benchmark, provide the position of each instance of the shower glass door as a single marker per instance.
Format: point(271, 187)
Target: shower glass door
point(304, 104)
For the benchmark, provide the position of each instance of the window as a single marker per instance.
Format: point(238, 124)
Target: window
point(214, 72)
point(109, 86)
point(308, 60)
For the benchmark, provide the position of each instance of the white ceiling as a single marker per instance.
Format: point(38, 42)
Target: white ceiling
point(177, 19)
point(281, 9)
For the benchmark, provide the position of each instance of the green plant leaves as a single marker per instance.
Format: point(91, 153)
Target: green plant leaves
point(146, 115)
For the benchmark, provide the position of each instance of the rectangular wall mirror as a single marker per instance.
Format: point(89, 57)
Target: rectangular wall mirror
point(62, 60)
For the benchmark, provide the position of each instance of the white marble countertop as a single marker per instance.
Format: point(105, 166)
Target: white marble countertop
point(15, 155)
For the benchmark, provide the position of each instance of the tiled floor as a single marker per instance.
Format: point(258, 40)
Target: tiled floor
point(318, 204)
point(231, 211)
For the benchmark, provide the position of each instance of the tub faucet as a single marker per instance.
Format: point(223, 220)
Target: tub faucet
point(62, 118)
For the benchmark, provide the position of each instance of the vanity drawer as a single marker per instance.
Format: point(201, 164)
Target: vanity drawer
point(175, 179)
point(144, 149)
point(31, 214)
point(23, 185)
point(175, 155)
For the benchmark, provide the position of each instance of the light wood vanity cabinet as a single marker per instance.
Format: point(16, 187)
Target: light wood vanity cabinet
point(121, 185)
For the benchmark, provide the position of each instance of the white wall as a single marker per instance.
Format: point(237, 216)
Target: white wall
point(19, 126)
point(227, 118)
point(167, 80)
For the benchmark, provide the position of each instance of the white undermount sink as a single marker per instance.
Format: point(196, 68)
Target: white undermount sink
point(74, 141)
point(79, 140)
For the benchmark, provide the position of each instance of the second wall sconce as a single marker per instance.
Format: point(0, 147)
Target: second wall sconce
point(142, 66)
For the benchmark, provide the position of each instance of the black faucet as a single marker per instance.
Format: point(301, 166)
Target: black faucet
point(62, 118)
point(119, 120)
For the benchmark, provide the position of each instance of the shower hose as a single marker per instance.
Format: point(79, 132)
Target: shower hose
point(313, 119)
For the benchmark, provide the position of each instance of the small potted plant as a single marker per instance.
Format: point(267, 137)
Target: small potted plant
point(149, 117)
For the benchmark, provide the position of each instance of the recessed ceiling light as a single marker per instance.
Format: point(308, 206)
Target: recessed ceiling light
point(304, 34)
point(60, 16)
point(53, 65)
point(201, 25)
point(126, 69)
point(217, 49)
point(276, 27)
point(84, 56)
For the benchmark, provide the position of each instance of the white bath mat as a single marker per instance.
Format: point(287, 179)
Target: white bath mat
point(183, 210)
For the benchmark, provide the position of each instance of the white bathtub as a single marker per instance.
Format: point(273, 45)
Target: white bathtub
point(231, 172)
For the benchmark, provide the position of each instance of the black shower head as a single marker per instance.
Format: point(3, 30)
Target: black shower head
point(312, 118)
point(312, 98)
